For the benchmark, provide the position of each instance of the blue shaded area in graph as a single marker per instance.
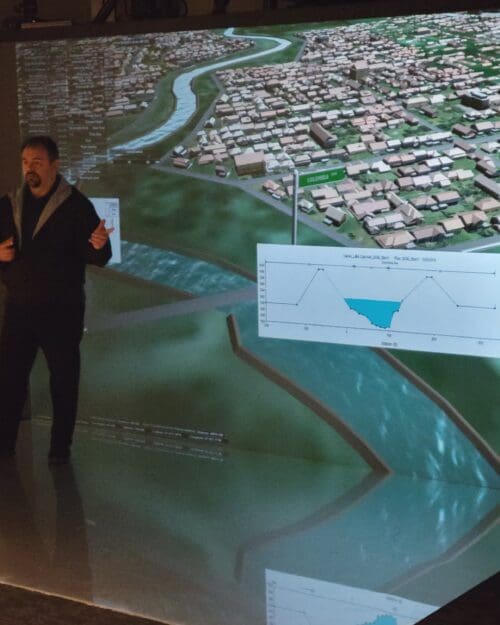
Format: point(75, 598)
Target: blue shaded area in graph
point(408, 430)
point(384, 619)
point(378, 312)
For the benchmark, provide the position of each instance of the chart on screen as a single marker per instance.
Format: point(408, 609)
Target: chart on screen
point(295, 600)
point(109, 210)
point(446, 302)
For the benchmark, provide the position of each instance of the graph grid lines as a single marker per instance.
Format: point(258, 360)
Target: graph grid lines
point(443, 302)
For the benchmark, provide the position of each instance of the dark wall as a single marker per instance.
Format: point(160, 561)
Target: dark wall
point(77, 10)
point(9, 136)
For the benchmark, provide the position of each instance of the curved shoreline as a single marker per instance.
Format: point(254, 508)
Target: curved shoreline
point(185, 97)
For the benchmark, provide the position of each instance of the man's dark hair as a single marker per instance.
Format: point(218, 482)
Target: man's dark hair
point(42, 141)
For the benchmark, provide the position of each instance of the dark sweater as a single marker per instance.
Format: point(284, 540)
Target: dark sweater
point(51, 266)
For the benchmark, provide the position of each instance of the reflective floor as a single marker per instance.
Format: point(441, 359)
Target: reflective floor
point(200, 536)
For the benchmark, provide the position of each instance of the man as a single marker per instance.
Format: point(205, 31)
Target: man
point(49, 231)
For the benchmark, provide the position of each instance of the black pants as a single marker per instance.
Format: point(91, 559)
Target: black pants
point(55, 328)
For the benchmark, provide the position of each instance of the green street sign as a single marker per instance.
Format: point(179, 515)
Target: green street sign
point(321, 177)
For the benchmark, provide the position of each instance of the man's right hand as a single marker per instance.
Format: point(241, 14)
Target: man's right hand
point(7, 250)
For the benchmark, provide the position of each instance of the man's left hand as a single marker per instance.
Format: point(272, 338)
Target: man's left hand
point(100, 235)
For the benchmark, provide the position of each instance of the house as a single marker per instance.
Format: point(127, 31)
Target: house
point(490, 147)
point(373, 224)
point(347, 186)
point(440, 180)
point(473, 219)
point(357, 196)
point(409, 214)
point(398, 239)
point(206, 159)
point(405, 183)
point(271, 186)
point(179, 150)
point(319, 156)
point(460, 174)
point(250, 163)
point(455, 153)
point(447, 197)
point(424, 202)
point(476, 99)
point(359, 70)
point(430, 233)
point(323, 192)
point(422, 182)
point(463, 145)
point(488, 185)
point(336, 215)
point(371, 207)
point(481, 127)
point(394, 220)
point(463, 131)
point(451, 225)
point(305, 206)
point(322, 136)
point(181, 163)
point(394, 199)
point(487, 167)
point(380, 187)
point(355, 148)
point(380, 167)
point(428, 110)
point(378, 146)
point(487, 204)
point(302, 160)
point(356, 167)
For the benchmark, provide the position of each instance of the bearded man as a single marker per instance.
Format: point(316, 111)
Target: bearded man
point(49, 231)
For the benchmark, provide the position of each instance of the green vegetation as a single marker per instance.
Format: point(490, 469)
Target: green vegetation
point(200, 218)
point(130, 127)
point(281, 57)
point(288, 30)
point(160, 110)
point(182, 372)
point(110, 292)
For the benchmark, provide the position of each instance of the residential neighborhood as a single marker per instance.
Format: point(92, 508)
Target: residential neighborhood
point(360, 98)
point(406, 108)
point(76, 90)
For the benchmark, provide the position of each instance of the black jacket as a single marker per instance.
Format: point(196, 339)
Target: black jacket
point(52, 267)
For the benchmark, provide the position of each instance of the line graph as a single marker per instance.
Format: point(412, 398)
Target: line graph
point(445, 302)
point(294, 600)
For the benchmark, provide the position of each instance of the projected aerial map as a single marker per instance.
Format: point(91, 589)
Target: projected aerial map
point(362, 480)
point(197, 134)
point(409, 106)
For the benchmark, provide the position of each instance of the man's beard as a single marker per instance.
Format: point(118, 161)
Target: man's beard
point(33, 180)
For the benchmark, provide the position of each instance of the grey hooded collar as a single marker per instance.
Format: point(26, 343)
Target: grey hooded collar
point(60, 195)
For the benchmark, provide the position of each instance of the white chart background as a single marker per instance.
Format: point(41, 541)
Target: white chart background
point(109, 209)
point(427, 301)
point(294, 600)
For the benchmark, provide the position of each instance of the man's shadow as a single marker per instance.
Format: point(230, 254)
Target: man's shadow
point(31, 554)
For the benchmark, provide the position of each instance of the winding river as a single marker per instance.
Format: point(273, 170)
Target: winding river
point(185, 97)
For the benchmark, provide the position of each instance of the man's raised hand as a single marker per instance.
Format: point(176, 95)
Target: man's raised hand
point(100, 235)
point(7, 250)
